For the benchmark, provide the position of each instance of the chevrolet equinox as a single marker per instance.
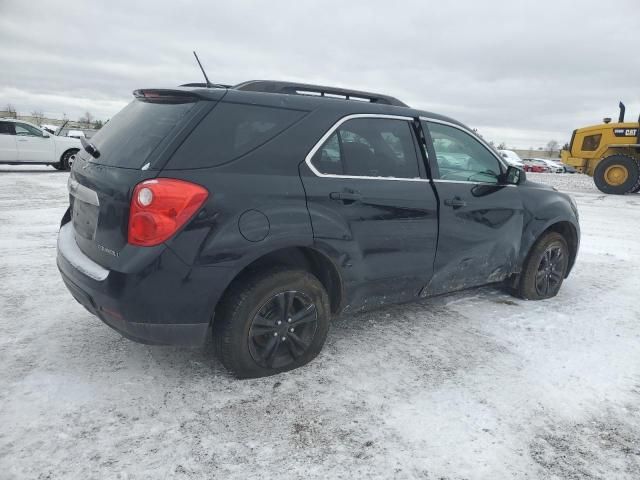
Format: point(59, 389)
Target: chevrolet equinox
point(255, 213)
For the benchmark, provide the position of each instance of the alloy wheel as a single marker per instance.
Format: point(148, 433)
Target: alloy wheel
point(283, 329)
point(550, 270)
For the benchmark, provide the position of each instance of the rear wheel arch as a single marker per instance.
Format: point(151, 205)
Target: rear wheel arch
point(296, 258)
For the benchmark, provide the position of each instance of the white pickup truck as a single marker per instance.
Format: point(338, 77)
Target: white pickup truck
point(24, 143)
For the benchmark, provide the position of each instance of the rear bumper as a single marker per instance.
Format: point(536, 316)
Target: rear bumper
point(165, 303)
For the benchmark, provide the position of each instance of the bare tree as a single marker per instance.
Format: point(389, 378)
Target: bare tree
point(86, 119)
point(38, 116)
point(502, 146)
point(552, 146)
point(11, 111)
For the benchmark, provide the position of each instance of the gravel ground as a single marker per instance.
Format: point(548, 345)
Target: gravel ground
point(572, 183)
point(471, 385)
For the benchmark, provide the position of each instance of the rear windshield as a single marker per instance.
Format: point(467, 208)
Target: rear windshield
point(130, 136)
point(229, 131)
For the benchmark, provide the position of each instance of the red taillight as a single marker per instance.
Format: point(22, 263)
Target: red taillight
point(160, 207)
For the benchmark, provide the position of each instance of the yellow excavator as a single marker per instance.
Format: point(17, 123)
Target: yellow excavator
point(609, 152)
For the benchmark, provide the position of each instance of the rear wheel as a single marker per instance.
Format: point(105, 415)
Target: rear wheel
point(545, 268)
point(64, 163)
point(617, 174)
point(271, 322)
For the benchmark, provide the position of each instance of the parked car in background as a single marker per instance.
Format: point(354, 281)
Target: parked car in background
point(24, 143)
point(535, 166)
point(512, 158)
point(75, 134)
point(553, 165)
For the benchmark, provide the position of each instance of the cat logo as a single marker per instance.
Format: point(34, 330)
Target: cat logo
point(625, 132)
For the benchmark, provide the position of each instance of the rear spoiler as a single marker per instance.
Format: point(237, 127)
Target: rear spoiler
point(166, 95)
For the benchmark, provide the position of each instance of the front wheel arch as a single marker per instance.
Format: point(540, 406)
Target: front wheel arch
point(570, 234)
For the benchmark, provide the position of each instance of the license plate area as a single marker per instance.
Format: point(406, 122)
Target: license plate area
point(85, 218)
point(85, 209)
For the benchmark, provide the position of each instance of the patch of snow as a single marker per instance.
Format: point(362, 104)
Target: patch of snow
point(472, 385)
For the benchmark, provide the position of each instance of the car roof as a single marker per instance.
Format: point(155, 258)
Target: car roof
point(16, 120)
point(313, 97)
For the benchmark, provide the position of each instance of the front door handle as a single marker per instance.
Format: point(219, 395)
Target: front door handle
point(455, 202)
point(346, 196)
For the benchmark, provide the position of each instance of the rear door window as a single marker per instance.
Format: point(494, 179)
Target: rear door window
point(230, 131)
point(129, 137)
point(369, 147)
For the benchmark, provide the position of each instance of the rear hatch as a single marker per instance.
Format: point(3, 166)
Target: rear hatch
point(133, 146)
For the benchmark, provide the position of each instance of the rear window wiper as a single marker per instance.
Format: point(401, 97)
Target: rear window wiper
point(90, 148)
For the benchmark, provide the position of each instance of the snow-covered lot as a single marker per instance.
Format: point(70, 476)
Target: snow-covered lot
point(472, 385)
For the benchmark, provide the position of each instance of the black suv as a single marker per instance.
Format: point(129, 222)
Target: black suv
point(259, 211)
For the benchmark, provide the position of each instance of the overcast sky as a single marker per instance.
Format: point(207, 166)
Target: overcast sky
point(523, 72)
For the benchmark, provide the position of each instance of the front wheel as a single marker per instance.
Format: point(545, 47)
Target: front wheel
point(271, 322)
point(65, 160)
point(617, 174)
point(545, 268)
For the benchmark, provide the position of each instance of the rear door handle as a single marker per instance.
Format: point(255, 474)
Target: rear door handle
point(455, 202)
point(346, 196)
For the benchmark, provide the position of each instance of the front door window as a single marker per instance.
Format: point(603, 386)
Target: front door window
point(461, 157)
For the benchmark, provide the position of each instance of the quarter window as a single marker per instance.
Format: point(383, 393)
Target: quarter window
point(369, 147)
point(230, 131)
point(460, 157)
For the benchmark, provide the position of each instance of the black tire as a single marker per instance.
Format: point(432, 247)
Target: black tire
point(251, 329)
point(544, 269)
point(64, 164)
point(606, 171)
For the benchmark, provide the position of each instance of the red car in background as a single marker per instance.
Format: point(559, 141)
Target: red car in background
point(534, 166)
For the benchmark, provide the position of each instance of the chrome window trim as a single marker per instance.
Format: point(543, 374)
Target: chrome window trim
point(437, 180)
point(470, 133)
point(331, 131)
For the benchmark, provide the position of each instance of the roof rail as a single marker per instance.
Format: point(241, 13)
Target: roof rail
point(293, 88)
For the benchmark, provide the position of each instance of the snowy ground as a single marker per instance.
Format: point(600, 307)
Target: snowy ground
point(473, 385)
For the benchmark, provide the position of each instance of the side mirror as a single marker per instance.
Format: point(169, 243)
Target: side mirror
point(45, 135)
point(514, 175)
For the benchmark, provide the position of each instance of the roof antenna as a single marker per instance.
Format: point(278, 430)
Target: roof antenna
point(209, 84)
